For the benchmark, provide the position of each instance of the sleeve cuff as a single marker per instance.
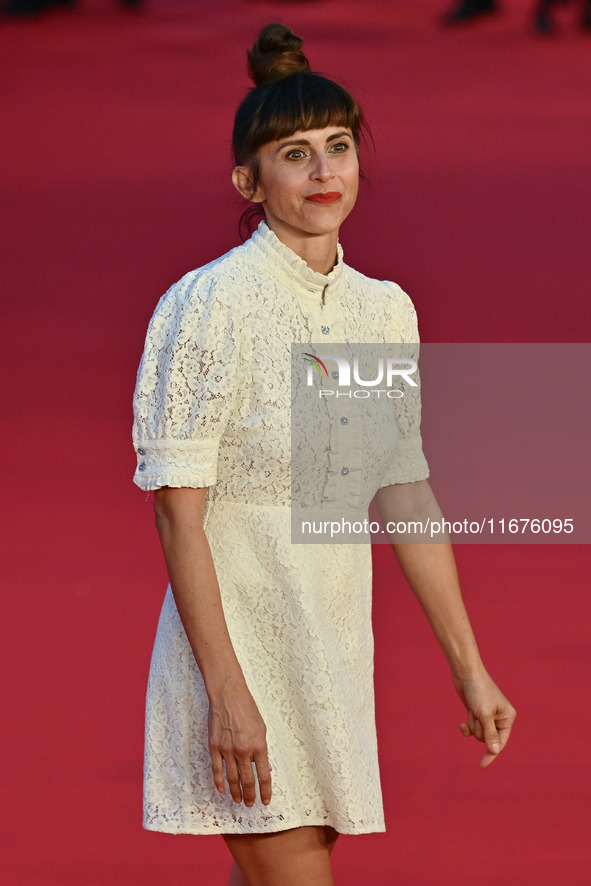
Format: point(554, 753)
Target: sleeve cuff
point(409, 466)
point(177, 463)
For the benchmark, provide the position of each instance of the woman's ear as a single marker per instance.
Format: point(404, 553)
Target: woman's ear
point(242, 181)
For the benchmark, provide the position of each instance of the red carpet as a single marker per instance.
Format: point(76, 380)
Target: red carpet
point(115, 164)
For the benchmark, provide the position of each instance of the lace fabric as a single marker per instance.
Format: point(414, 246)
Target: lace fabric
point(212, 408)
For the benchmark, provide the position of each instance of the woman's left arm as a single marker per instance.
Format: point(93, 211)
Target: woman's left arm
point(430, 570)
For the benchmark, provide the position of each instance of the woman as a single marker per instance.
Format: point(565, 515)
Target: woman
point(260, 714)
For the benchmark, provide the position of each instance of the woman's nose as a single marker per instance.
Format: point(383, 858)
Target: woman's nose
point(322, 169)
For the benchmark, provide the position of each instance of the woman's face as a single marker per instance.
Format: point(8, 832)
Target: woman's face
point(308, 182)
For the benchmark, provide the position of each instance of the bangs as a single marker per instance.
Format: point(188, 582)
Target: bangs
point(301, 101)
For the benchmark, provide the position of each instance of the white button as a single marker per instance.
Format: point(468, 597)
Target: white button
point(344, 471)
point(142, 467)
point(325, 330)
point(344, 420)
point(141, 451)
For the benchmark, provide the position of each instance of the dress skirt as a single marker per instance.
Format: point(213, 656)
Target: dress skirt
point(299, 617)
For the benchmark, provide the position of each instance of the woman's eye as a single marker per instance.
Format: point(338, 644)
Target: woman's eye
point(296, 154)
point(339, 148)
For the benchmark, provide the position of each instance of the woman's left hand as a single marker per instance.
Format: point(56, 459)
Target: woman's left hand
point(490, 715)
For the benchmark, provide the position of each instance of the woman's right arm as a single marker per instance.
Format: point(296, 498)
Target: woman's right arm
point(236, 728)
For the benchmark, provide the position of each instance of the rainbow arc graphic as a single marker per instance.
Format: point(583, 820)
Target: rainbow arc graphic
point(317, 362)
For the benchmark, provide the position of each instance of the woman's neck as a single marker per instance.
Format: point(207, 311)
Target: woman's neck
point(319, 251)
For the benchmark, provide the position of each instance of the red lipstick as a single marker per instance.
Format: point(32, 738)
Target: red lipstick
point(324, 198)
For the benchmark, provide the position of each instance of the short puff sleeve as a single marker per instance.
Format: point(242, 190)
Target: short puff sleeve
point(409, 463)
point(186, 385)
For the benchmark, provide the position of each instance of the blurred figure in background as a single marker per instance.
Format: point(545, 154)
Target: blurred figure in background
point(543, 18)
point(544, 21)
point(24, 8)
point(469, 10)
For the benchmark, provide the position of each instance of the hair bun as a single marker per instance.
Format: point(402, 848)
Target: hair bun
point(277, 53)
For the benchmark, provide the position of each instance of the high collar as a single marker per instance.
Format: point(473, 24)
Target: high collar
point(285, 264)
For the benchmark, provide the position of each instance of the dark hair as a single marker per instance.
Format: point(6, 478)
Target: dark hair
point(287, 97)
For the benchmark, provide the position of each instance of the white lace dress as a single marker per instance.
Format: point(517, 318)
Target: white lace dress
point(212, 408)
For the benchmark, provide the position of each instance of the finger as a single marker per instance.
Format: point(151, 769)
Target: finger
point(491, 736)
point(488, 759)
point(233, 778)
point(504, 727)
point(247, 780)
point(472, 723)
point(478, 729)
point(217, 767)
point(263, 769)
point(472, 727)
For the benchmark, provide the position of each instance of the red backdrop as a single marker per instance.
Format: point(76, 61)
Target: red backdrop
point(115, 181)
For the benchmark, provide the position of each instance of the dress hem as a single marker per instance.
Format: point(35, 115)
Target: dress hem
point(285, 826)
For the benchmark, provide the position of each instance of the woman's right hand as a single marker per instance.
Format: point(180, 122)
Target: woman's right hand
point(236, 728)
point(237, 739)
